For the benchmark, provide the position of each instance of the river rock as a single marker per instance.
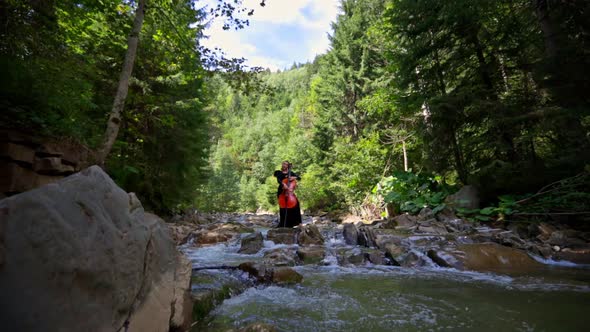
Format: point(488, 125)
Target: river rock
point(509, 239)
point(484, 257)
point(393, 252)
point(285, 275)
point(310, 235)
point(258, 327)
point(382, 240)
point(353, 256)
point(204, 238)
point(82, 255)
point(412, 259)
point(425, 214)
point(432, 228)
point(445, 215)
point(281, 257)
point(405, 220)
point(545, 231)
point(219, 232)
point(578, 255)
point(282, 235)
point(445, 258)
point(256, 270)
point(366, 237)
point(180, 233)
point(264, 220)
point(266, 273)
point(542, 250)
point(351, 234)
point(567, 238)
point(467, 198)
point(376, 257)
point(457, 225)
point(311, 254)
point(251, 243)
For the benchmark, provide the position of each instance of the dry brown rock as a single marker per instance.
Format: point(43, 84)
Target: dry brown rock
point(17, 152)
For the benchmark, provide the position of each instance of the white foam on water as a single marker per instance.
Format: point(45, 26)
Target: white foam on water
point(548, 261)
point(217, 254)
point(330, 260)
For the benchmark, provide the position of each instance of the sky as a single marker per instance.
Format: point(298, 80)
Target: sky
point(280, 33)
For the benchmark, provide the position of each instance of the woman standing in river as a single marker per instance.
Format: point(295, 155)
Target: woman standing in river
point(290, 213)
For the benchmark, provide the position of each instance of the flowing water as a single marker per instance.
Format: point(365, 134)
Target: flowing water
point(384, 298)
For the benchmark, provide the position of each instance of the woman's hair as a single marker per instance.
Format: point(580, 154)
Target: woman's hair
point(288, 163)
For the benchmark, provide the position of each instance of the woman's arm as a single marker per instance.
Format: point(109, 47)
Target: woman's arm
point(278, 175)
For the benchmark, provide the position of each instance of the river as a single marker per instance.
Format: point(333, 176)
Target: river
point(388, 298)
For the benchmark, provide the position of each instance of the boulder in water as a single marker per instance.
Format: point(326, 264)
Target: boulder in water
point(310, 235)
point(251, 243)
point(403, 220)
point(578, 255)
point(285, 275)
point(283, 235)
point(366, 237)
point(264, 273)
point(281, 257)
point(351, 234)
point(484, 257)
point(258, 327)
point(467, 198)
point(311, 254)
point(82, 255)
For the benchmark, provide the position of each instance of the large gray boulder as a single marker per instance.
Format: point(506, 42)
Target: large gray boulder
point(467, 198)
point(82, 255)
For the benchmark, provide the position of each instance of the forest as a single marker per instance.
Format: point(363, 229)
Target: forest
point(414, 99)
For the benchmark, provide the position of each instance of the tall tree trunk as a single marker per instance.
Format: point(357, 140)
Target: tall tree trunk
point(459, 163)
point(484, 69)
point(405, 155)
point(549, 35)
point(114, 122)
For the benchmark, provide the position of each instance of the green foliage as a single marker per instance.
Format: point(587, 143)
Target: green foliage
point(506, 206)
point(356, 167)
point(62, 60)
point(411, 192)
point(490, 93)
point(314, 191)
point(567, 197)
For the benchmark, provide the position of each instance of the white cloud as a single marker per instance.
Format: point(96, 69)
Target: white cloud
point(308, 18)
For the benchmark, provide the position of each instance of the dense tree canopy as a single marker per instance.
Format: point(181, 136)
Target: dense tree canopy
point(468, 90)
point(429, 93)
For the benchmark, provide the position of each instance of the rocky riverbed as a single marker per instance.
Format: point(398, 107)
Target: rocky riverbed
point(260, 255)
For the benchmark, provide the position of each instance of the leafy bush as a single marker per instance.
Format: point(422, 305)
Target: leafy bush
point(411, 192)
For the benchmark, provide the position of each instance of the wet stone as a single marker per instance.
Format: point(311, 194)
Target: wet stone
point(350, 256)
point(285, 275)
point(311, 254)
point(281, 257)
point(366, 237)
point(412, 259)
point(251, 244)
point(310, 235)
point(405, 220)
point(282, 235)
point(376, 257)
point(258, 327)
point(351, 234)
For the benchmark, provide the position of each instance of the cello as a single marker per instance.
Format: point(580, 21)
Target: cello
point(287, 198)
